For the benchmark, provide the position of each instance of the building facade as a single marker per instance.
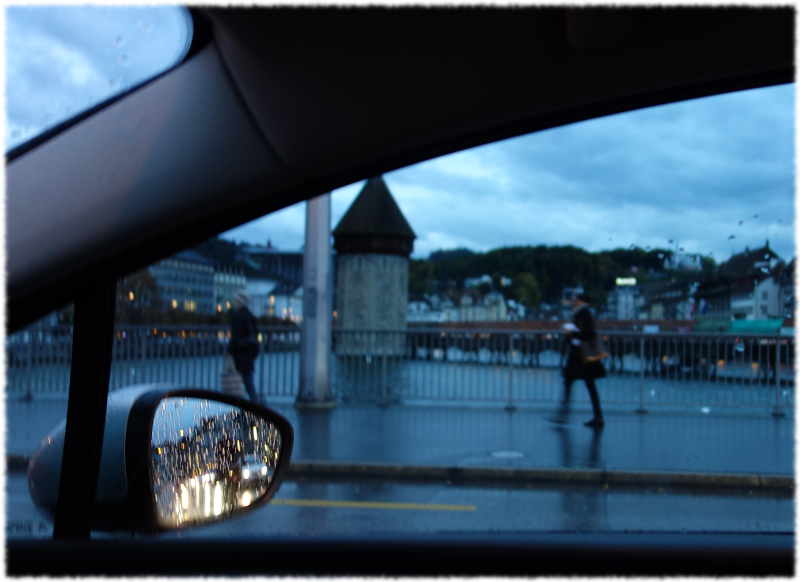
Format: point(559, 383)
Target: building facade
point(227, 283)
point(185, 282)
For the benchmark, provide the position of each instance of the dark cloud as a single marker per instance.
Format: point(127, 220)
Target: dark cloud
point(688, 172)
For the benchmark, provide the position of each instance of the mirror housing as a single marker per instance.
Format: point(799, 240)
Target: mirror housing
point(214, 456)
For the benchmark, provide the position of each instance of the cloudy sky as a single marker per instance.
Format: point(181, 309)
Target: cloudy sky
point(60, 60)
point(696, 172)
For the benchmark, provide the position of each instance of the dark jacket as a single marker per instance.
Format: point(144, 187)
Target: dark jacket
point(575, 367)
point(244, 335)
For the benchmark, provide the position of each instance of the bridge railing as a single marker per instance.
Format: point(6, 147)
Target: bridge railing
point(433, 365)
point(643, 370)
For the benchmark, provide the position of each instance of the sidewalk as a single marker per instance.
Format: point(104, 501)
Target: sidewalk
point(747, 449)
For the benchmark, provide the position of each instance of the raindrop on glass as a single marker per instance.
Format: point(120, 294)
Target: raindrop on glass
point(123, 59)
point(705, 410)
point(118, 41)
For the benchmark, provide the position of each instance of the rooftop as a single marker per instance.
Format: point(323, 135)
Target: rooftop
point(374, 213)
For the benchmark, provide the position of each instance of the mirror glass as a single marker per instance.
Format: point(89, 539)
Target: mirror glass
point(209, 459)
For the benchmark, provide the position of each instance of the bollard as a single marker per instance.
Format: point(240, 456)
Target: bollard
point(641, 409)
point(777, 411)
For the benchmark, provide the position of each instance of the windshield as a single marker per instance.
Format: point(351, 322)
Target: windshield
point(456, 396)
point(63, 60)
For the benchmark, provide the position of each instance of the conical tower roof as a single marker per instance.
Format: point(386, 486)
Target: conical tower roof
point(374, 223)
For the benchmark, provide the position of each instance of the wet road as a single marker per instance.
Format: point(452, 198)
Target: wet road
point(346, 507)
point(483, 437)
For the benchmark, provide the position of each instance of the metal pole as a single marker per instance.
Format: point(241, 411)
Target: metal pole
point(641, 409)
point(510, 403)
point(262, 360)
point(777, 411)
point(315, 389)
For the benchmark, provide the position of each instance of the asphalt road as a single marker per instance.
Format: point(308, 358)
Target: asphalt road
point(312, 507)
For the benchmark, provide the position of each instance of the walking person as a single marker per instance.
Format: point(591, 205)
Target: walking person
point(244, 342)
point(582, 361)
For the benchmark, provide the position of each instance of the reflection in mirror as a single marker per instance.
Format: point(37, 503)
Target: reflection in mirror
point(209, 459)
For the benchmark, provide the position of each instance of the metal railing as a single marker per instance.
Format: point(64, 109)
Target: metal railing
point(433, 365)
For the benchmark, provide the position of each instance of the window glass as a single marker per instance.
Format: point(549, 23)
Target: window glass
point(38, 362)
point(448, 340)
point(62, 60)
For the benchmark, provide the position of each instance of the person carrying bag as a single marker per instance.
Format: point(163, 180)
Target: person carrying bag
point(244, 345)
point(231, 380)
point(584, 360)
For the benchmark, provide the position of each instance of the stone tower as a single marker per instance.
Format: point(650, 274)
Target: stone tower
point(373, 242)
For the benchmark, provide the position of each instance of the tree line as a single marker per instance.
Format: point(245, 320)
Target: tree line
point(537, 273)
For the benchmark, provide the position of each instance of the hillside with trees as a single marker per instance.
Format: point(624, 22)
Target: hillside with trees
point(537, 273)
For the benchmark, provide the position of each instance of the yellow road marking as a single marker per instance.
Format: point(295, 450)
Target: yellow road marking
point(371, 505)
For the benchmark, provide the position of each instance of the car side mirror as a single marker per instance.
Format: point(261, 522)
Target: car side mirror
point(174, 458)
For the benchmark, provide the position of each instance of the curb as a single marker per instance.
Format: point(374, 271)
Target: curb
point(535, 476)
point(777, 483)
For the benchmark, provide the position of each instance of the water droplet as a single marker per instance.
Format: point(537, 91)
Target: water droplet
point(123, 59)
point(119, 41)
point(705, 410)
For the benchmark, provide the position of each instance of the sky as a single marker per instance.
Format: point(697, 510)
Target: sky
point(60, 60)
point(697, 172)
